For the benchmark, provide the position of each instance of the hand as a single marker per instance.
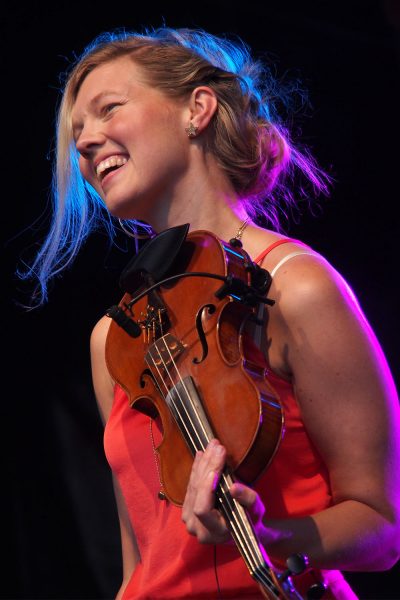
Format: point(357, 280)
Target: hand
point(199, 514)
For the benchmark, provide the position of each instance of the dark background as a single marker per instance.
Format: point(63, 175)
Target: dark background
point(60, 534)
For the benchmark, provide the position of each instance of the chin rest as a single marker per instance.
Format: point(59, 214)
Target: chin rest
point(155, 259)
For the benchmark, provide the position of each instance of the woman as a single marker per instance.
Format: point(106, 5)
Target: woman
point(176, 127)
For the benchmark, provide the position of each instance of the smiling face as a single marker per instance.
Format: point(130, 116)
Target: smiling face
point(131, 139)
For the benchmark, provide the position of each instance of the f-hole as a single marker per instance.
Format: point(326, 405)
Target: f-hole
point(200, 331)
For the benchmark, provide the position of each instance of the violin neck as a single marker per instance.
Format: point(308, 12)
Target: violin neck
point(186, 407)
point(243, 534)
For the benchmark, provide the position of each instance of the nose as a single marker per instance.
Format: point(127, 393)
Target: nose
point(89, 140)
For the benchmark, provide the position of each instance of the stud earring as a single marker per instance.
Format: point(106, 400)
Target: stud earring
point(191, 130)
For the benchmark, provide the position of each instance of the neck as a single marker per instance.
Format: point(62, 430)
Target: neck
point(220, 215)
point(208, 202)
point(202, 196)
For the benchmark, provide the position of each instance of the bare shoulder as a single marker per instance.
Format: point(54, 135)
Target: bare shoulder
point(319, 315)
point(102, 381)
point(303, 281)
point(307, 280)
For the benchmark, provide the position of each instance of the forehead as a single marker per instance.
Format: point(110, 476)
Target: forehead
point(118, 76)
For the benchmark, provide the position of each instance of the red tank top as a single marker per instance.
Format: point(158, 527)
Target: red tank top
point(174, 565)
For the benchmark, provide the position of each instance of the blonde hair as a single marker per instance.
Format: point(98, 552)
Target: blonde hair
point(247, 139)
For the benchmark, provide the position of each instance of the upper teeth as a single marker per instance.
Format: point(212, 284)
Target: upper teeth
point(111, 161)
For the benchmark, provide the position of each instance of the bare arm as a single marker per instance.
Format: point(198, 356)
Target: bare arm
point(104, 391)
point(350, 410)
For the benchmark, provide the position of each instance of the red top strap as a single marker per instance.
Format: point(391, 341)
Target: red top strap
point(264, 253)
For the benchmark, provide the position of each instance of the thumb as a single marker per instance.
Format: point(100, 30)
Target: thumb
point(249, 499)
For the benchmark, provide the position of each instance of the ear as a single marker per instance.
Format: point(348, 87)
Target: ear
point(203, 104)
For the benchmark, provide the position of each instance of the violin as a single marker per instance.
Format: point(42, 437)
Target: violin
point(182, 346)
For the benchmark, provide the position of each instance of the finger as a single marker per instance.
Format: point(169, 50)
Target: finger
point(191, 490)
point(248, 498)
point(213, 524)
point(209, 523)
point(203, 480)
point(204, 522)
point(208, 472)
point(213, 458)
point(198, 512)
point(207, 476)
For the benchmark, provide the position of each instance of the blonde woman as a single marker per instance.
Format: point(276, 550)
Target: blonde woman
point(175, 127)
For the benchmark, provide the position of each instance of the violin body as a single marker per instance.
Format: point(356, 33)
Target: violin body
point(241, 405)
point(183, 349)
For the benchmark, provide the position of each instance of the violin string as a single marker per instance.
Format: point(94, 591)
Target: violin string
point(235, 509)
point(231, 515)
point(229, 510)
point(164, 395)
point(239, 535)
point(200, 444)
point(261, 570)
point(232, 512)
point(172, 399)
point(160, 377)
point(239, 528)
point(199, 420)
point(239, 514)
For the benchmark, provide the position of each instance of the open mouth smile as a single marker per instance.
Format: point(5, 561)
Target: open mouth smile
point(110, 164)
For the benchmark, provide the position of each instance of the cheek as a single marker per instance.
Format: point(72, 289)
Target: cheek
point(83, 167)
point(86, 171)
point(87, 174)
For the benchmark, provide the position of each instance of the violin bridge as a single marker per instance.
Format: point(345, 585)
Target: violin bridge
point(163, 352)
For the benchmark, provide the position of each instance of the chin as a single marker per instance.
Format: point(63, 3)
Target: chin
point(126, 211)
point(121, 208)
point(129, 207)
